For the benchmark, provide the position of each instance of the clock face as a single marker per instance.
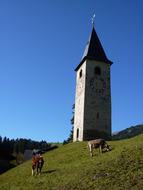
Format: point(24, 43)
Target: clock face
point(97, 86)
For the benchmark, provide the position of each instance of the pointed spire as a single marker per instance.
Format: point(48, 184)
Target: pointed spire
point(94, 49)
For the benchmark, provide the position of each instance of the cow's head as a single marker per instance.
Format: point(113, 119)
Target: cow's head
point(107, 147)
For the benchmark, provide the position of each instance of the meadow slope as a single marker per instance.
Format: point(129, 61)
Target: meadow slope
point(70, 167)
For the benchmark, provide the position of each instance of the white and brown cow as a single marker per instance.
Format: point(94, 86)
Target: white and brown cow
point(98, 143)
point(37, 164)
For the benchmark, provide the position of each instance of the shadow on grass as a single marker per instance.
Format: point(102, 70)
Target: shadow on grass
point(49, 171)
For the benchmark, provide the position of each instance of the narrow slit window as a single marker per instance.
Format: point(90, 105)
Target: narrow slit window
point(77, 134)
point(97, 116)
point(80, 74)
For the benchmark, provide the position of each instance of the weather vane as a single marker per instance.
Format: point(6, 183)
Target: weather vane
point(93, 20)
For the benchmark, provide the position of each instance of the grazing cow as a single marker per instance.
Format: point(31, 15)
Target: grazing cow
point(98, 143)
point(37, 164)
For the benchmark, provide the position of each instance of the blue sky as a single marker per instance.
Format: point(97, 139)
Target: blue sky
point(41, 43)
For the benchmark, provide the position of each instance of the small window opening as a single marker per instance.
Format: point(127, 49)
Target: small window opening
point(80, 74)
point(97, 71)
point(97, 116)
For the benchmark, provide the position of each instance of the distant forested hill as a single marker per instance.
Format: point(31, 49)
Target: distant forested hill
point(11, 151)
point(128, 132)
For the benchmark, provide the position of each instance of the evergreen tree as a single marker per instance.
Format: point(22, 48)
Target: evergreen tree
point(70, 138)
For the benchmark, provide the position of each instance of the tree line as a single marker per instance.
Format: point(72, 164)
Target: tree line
point(10, 148)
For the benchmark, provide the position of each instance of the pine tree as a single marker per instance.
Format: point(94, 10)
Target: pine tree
point(70, 138)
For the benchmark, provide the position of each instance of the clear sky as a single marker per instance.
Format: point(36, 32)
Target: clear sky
point(41, 43)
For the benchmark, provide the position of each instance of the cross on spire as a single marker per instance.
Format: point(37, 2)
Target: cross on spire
point(92, 19)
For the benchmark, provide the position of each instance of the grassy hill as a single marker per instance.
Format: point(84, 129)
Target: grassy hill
point(70, 167)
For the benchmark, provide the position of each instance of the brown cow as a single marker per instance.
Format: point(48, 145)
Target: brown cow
point(98, 143)
point(37, 164)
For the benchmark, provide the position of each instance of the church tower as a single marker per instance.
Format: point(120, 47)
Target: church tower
point(92, 117)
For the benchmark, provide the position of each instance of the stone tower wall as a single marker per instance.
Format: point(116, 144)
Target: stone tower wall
point(92, 102)
point(97, 107)
point(79, 104)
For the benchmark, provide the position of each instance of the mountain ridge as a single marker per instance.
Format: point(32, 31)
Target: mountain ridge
point(128, 132)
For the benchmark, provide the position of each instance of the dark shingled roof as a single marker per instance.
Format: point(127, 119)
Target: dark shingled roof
point(94, 50)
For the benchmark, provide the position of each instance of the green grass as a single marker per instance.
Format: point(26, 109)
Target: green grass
point(70, 167)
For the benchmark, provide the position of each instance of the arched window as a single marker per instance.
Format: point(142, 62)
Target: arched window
point(77, 134)
point(80, 73)
point(97, 71)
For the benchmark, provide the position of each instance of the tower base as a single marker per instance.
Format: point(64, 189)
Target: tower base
point(95, 134)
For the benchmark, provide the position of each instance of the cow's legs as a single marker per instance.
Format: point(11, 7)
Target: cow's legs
point(33, 170)
point(90, 149)
point(37, 169)
point(100, 148)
